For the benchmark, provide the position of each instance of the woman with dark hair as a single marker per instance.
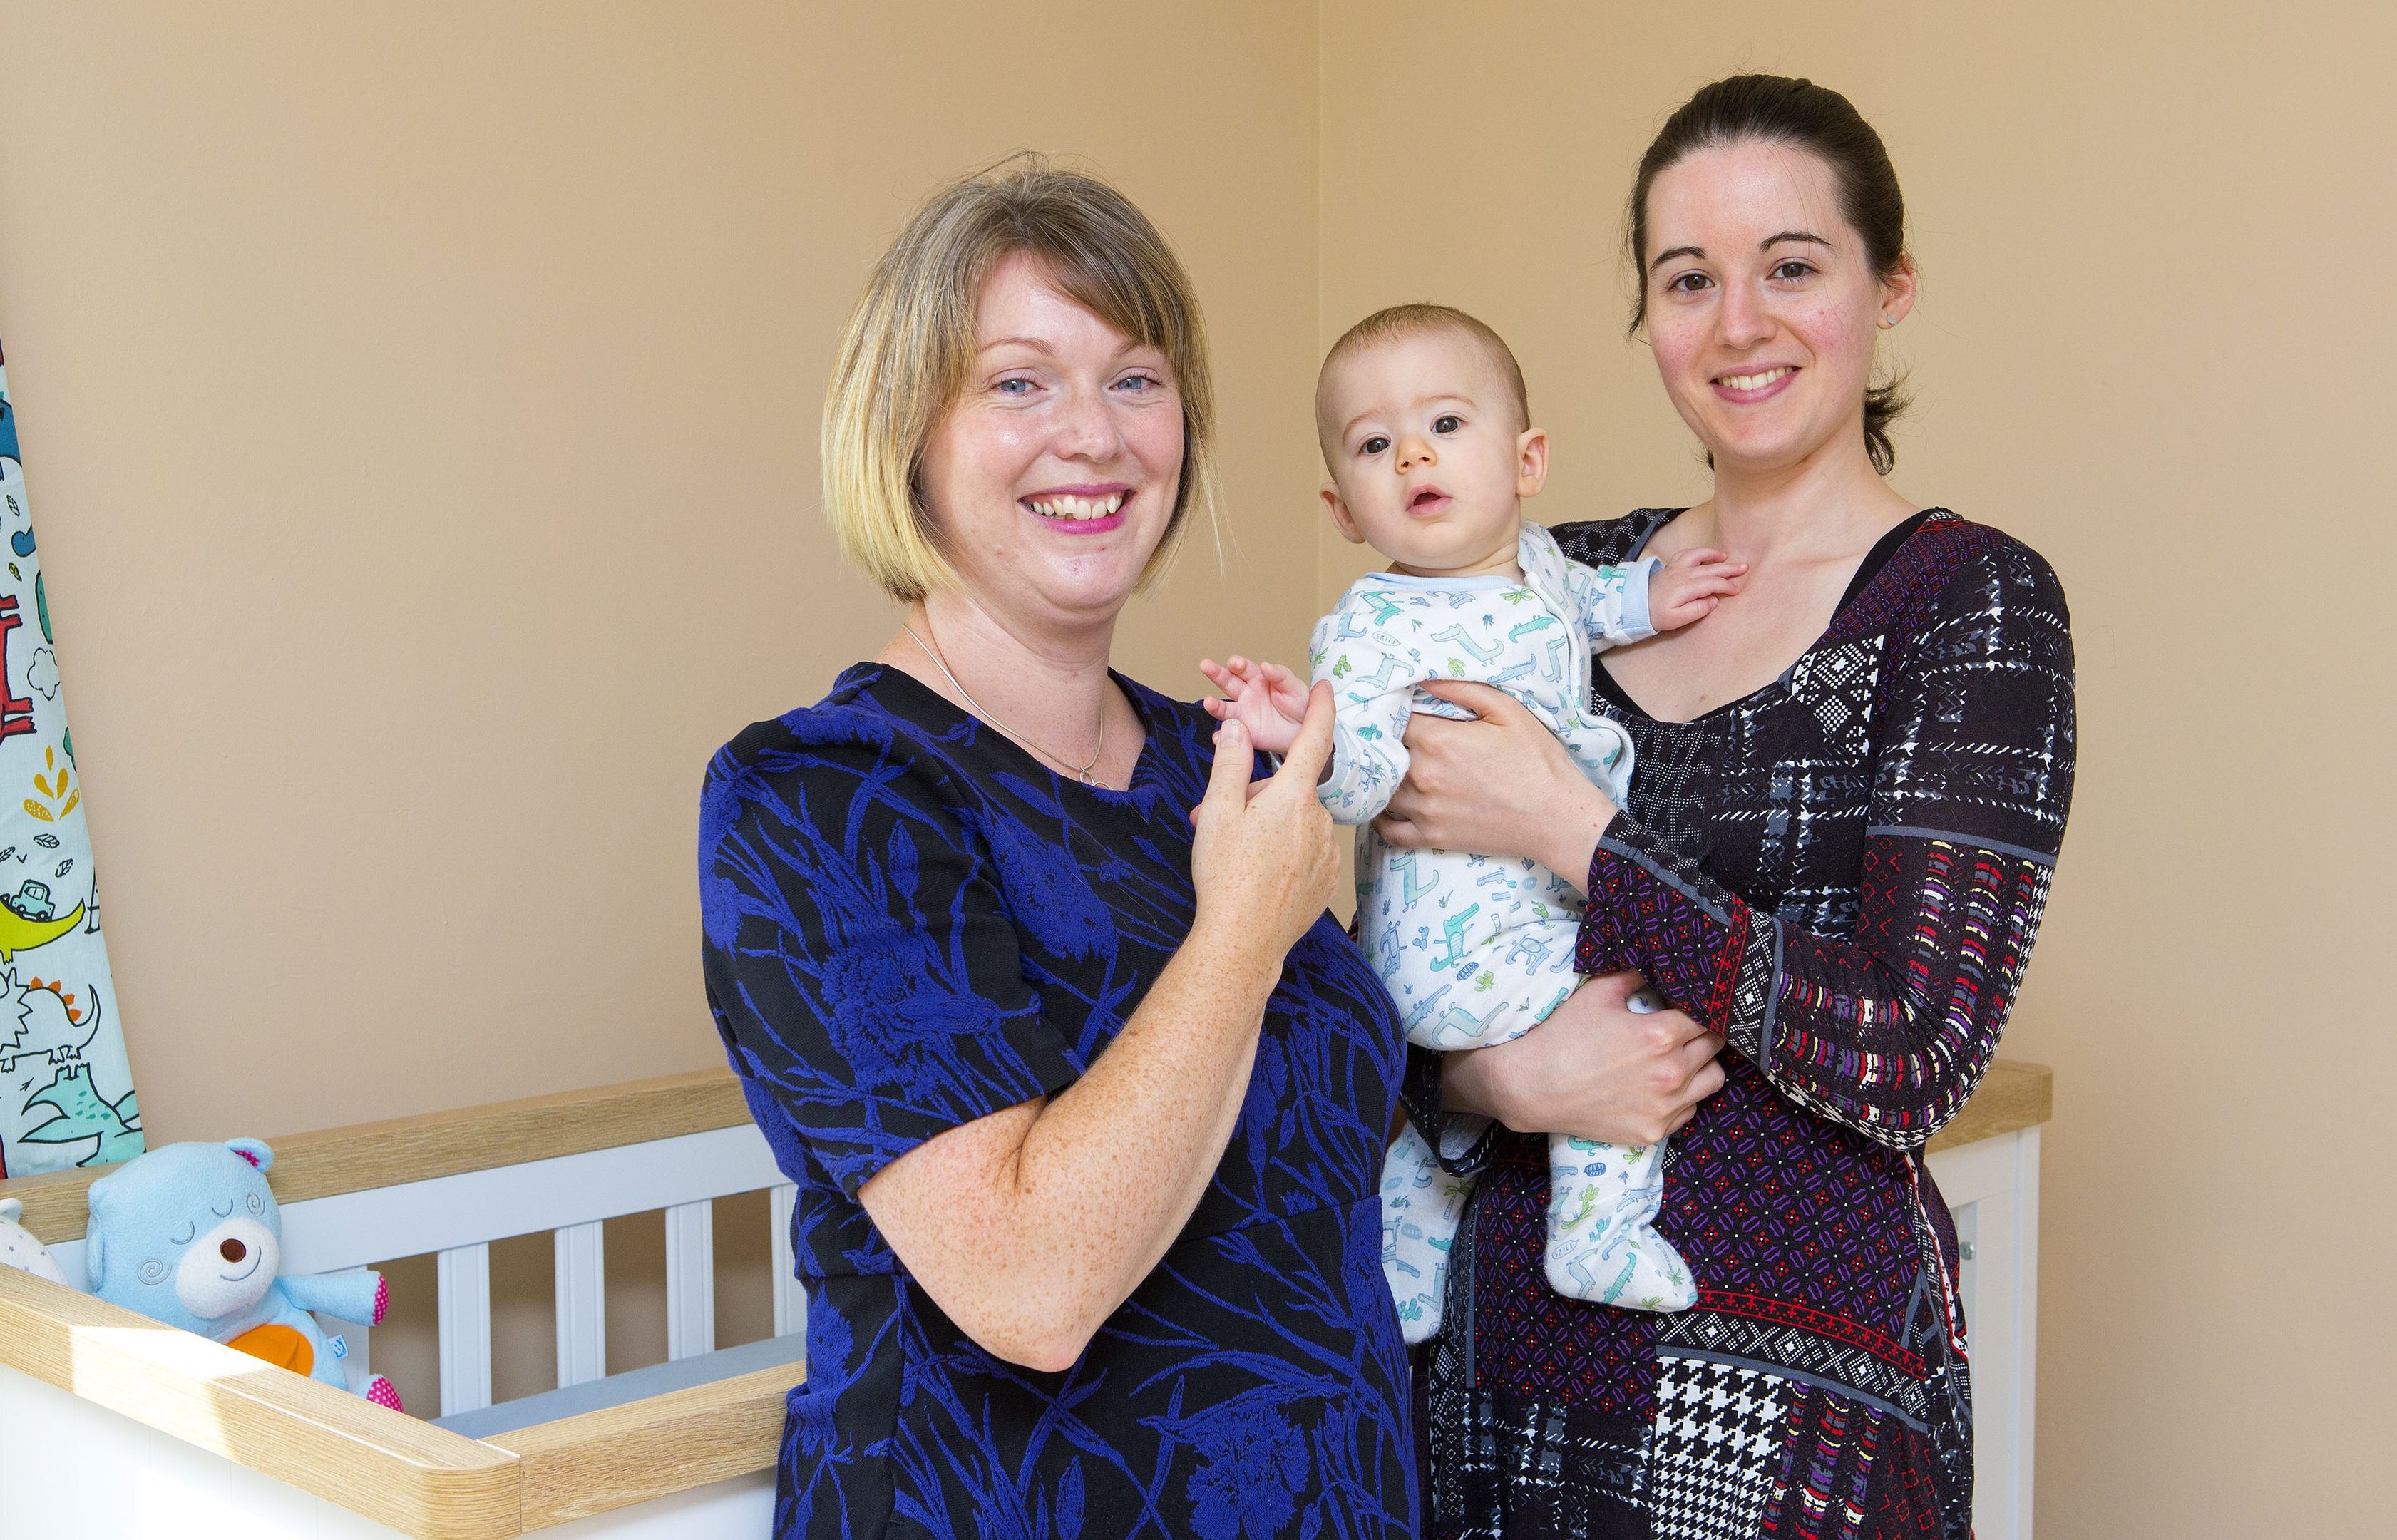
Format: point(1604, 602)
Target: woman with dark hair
point(1849, 789)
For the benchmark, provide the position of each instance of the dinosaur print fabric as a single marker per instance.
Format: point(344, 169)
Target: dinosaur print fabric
point(910, 924)
point(66, 1091)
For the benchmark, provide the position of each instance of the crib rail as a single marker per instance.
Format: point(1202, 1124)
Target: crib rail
point(449, 1184)
point(372, 1183)
point(415, 1478)
point(2013, 1095)
point(331, 1161)
point(577, 1467)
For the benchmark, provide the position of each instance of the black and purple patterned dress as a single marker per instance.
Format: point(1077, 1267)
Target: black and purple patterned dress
point(910, 923)
point(1842, 874)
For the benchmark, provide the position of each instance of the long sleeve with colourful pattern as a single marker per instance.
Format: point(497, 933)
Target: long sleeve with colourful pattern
point(1945, 694)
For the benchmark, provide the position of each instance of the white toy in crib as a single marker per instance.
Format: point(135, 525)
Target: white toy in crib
point(19, 1250)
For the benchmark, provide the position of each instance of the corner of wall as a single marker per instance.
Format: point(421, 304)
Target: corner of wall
point(1322, 341)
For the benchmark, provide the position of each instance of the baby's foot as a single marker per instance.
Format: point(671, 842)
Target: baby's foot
point(1602, 1240)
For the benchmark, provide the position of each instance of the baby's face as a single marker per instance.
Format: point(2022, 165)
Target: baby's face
point(1429, 453)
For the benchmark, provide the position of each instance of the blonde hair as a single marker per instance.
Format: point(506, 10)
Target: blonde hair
point(1413, 320)
point(909, 349)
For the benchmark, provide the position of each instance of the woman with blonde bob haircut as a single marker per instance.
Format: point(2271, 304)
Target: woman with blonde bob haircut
point(910, 346)
point(1026, 970)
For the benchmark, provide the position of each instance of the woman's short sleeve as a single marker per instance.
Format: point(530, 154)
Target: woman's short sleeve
point(859, 959)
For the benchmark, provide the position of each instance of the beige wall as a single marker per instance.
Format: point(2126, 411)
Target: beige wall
point(2155, 242)
point(419, 412)
point(420, 408)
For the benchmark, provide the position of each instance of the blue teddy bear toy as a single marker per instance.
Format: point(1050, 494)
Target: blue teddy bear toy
point(190, 1235)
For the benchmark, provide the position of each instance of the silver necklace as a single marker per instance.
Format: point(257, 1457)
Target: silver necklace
point(1079, 772)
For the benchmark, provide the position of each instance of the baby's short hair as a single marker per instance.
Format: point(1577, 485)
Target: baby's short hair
point(1412, 320)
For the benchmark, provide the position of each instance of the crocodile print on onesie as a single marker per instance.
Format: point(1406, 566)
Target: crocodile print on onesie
point(1421, 1206)
point(1602, 1242)
point(1476, 949)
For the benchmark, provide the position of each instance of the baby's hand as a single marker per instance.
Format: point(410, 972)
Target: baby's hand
point(1689, 586)
point(1266, 698)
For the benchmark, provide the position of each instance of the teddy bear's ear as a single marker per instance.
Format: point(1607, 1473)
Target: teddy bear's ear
point(12, 1208)
point(252, 1150)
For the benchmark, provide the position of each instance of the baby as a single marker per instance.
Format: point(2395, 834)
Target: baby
point(1426, 426)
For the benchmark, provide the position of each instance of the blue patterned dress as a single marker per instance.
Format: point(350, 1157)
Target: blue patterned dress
point(912, 924)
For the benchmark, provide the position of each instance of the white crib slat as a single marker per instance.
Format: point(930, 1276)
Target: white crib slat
point(790, 1299)
point(691, 1279)
point(464, 1273)
point(581, 1303)
point(2026, 1320)
point(323, 1235)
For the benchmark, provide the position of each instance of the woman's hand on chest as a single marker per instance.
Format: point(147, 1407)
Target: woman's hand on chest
point(1783, 606)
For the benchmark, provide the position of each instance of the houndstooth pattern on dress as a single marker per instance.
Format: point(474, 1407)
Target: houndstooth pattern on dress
point(1844, 874)
point(1718, 1428)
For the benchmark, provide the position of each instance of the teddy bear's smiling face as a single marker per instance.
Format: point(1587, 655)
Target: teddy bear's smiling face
point(228, 1269)
point(188, 1235)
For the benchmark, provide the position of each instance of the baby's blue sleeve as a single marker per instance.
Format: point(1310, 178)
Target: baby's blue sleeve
point(1613, 600)
point(1372, 693)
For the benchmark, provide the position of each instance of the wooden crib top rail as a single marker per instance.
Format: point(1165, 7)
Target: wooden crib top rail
point(2012, 1096)
point(399, 1471)
point(331, 1161)
point(419, 1479)
point(427, 1482)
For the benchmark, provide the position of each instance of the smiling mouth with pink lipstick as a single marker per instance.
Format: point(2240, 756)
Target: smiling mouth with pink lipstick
point(1756, 384)
point(1087, 510)
point(1424, 502)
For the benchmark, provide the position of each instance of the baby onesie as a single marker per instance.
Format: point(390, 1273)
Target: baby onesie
point(1476, 949)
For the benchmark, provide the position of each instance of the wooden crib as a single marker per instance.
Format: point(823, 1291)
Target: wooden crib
point(116, 1426)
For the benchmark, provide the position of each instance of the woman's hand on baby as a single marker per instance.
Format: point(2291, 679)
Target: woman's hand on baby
point(1266, 698)
point(1595, 1069)
point(1686, 589)
point(1501, 784)
point(1263, 858)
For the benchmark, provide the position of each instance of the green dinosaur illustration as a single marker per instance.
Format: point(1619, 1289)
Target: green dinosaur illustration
point(80, 1114)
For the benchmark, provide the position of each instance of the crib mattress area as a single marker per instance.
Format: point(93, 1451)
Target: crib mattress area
point(633, 1385)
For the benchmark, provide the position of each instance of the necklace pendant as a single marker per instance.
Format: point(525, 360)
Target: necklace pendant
point(1088, 779)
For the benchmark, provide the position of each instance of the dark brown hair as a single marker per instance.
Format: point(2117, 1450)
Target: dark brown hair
point(1774, 109)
